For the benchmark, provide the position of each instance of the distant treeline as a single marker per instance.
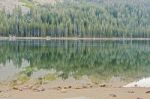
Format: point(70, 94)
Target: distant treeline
point(80, 18)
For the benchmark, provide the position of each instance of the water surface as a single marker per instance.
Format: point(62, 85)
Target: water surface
point(100, 59)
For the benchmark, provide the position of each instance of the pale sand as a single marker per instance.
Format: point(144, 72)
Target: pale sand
point(145, 82)
point(75, 90)
point(93, 93)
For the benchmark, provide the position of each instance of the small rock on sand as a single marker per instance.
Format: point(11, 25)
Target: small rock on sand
point(77, 98)
point(16, 88)
point(131, 92)
point(79, 87)
point(39, 89)
point(67, 87)
point(147, 92)
point(113, 95)
point(103, 85)
point(139, 98)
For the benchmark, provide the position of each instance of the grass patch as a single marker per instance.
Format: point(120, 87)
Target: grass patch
point(27, 3)
point(50, 77)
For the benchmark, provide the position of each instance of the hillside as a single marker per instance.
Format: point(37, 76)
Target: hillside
point(77, 18)
point(9, 5)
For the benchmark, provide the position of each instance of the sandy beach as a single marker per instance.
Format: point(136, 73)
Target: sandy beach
point(85, 93)
point(73, 90)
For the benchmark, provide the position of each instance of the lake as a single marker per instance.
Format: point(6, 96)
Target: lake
point(99, 59)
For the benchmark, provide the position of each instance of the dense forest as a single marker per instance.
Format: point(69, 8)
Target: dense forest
point(79, 18)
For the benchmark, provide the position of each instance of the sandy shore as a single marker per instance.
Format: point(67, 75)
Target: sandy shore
point(73, 90)
point(85, 93)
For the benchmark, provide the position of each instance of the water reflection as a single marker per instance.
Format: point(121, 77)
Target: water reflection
point(103, 59)
point(9, 70)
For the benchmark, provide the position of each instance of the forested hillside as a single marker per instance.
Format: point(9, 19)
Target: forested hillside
point(79, 18)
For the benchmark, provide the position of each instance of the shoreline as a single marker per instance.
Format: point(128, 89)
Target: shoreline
point(71, 38)
point(73, 90)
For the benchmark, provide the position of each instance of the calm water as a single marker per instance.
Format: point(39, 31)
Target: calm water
point(99, 59)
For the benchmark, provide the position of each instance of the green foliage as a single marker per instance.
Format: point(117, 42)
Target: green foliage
point(50, 77)
point(27, 3)
point(22, 78)
point(28, 71)
point(80, 18)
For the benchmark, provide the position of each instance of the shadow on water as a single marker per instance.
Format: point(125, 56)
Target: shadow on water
point(100, 59)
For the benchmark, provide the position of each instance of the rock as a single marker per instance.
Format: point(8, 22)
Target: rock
point(26, 88)
point(103, 85)
point(67, 87)
point(113, 95)
point(135, 85)
point(77, 98)
point(85, 87)
point(131, 92)
point(139, 98)
point(91, 86)
point(39, 89)
point(78, 87)
point(16, 88)
point(147, 92)
point(40, 79)
point(58, 88)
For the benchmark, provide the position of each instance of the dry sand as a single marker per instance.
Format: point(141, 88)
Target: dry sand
point(91, 93)
point(74, 90)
